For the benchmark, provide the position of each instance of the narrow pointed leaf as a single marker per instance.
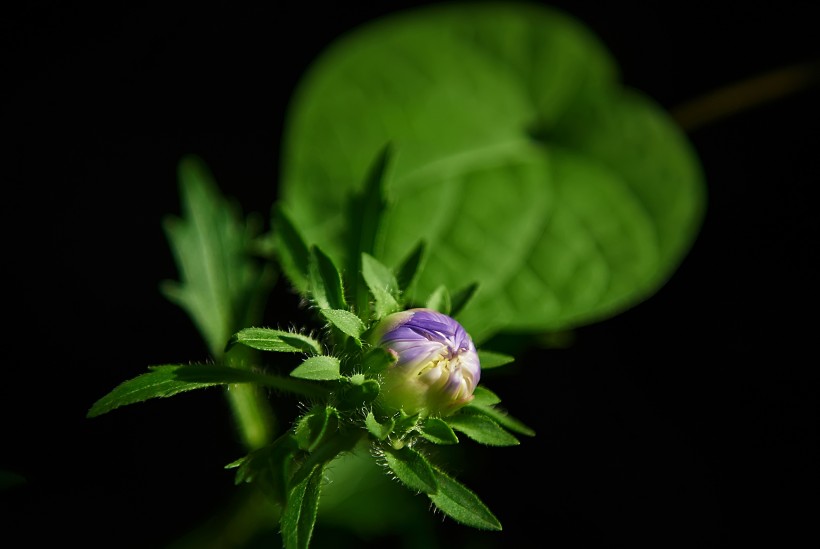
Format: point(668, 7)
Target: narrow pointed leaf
point(438, 432)
point(299, 515)
point(410, 267)
point(268, 339)
point(347, 322)
point(378, 430)
point(482, 429)
point(412, 469)
point(319, 368)
point(502, 418)
point(292, 252)
point(326, 286)
point(484, 397)
point(461, 298)
point(382, 284)
point(492, 359)
point(461, 504)
point(439, 300)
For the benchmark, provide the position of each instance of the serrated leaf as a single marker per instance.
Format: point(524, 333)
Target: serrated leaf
point(382, 285)
point(268, 339)
point(301, 509)
point(347, 322)
point(461, 504)
point(461, 298)
point(492, 359)
point(319, 368)
point(437, 431)
point(502, 418)
point(484, 397)
point(222, 286)
point(378, 430)
point(439, 300)
point(525, 164)
point(482, 429)
point(160, 382)
point(291, 250)
point(410, 266)
point(412, 469)
point(326, 287)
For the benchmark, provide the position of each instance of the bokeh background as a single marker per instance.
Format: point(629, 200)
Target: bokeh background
point(687, 420)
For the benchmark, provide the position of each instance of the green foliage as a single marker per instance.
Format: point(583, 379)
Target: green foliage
point(461, 504)
point(520, 161)
point(411, 468)
point(321, 368)
point(483, 429)
point(267, 339)
point(491, 359)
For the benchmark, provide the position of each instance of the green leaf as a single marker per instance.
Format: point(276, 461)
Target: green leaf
point(269, 467)
point(347, 322)
point(461, 504)
point(382, 285)
point(319, 368)
point(377, 360)
point(461, 298)
point(412, 469)
point(290, 248)
point(222, 286)
point(439, 300)
point(409, 268)
point(160, 382)
point(268, 339)
point(437, 431)
point(378, 430)
point(482, 429)
point(359, 393)
point(525, 165)
point(502, 418)
point(484, 397)
point(315, 426)
point(325, 281)
point(301, 509)
point(492, 359)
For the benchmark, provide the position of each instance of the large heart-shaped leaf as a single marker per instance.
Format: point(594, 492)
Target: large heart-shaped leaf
point(520, 161)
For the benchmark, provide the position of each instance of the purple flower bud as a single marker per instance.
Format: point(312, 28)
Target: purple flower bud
point(437, 367)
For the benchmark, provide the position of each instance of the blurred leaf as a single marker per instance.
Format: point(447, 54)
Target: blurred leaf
point(268, 339)
point(437, 431)
point(9, 479)
point(491, 359)
point(382, 285)
point(291, 250)
point(523, 163)
point(222, 287)
point(299, 516)
point(326, 287)
point(461, 298)
point(409, 268)
point(411, 468)
point(319, 368)
point(461, 504)
point(501, 417)
point(269, 467)
point(439, 300)
point(482, 429)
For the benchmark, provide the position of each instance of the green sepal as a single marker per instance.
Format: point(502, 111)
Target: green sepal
point(482, 429)
point(269, 467)
point(439, 300)
point(315, 427)
point(319, 368)
point(461, 504)
point(378, 430)
point(326, 287)
point(347, 323)
point(301, 509)
point(437, 431)
point(492, 359)
point(268, 339)
point(291, 251)
point(382, 284)
point(412, 469)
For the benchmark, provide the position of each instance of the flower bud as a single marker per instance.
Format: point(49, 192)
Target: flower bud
point(436, 368)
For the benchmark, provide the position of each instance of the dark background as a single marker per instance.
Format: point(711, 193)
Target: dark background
point(688, 420)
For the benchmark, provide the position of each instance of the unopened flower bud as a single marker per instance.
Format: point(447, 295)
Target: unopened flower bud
point(437, 367)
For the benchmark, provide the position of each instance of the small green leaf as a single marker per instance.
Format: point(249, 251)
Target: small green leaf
point(491, 359)
point(325, 281)
point(412, 469)
point(319, 368)
point(347, 322)
point(482, 429)
point(484, 397)
point(410, 267)
point(378, 430)
point(268, 339)
point(301, 509)
point(160, 382)
point(461, 298)
point(291, 249)
point(361, 394)
point(382, 284)
point(502, 418)
point(314, 427)
point(439, 300)
point(461, 504)
point(437, 431)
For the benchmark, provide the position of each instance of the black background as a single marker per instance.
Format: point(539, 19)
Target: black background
point(688, 420)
